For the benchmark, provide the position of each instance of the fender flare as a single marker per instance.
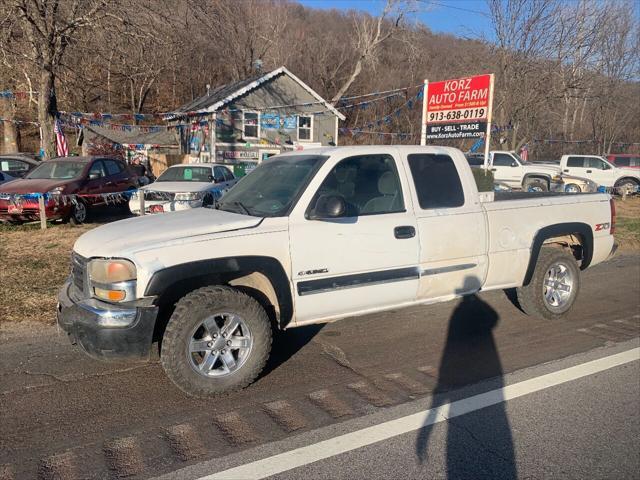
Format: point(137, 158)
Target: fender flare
point(558, 230)
point(541, 176)
point(162, 280)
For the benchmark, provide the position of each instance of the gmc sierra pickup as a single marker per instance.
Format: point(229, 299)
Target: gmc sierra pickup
point(316, 236)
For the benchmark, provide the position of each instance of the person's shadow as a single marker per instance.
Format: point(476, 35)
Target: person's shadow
point(479, 444)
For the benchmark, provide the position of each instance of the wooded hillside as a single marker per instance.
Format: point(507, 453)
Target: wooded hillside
point(565, 71)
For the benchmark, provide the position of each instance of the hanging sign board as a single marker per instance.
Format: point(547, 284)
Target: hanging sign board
point(459, 108)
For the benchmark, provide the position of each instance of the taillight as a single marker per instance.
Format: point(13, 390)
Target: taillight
point(612, 204)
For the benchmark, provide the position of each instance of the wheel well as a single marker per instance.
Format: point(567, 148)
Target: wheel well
point(544, 178)
point(634, 180)
point(576, 237)
point(262, 278)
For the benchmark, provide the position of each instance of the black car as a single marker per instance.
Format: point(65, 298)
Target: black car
point(17, 165)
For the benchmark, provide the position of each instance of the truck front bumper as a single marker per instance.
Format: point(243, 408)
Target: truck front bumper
point(105, 331)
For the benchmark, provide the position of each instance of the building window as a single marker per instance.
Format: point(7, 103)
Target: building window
point(250, 125)
point(305, 126)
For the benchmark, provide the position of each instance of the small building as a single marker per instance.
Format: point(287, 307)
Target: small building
point(246, 122)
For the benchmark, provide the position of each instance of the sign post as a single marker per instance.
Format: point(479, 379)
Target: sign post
point(423, 135)
point(460, 108)
point(487, 139)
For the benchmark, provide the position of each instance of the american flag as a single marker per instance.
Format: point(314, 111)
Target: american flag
point(524, 153)
point(61, 142)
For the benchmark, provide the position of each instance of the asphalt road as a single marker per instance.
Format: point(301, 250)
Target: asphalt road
point(64, 415)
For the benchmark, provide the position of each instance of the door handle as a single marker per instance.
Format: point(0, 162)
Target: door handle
point(566, 170)
point(588, 171)
point(493, 169)
point(406, 231)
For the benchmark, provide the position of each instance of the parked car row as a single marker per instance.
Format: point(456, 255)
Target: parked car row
point(573, 173)
point(75, 185)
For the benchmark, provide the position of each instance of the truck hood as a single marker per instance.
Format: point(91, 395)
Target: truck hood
point(538, 168)
point(178, 187)
point(117, 239)
point(632, 172)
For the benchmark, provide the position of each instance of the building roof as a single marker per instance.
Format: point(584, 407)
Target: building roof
point(164, 137)
point(219, 97)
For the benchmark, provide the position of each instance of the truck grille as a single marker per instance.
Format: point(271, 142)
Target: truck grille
point(78, 271)
point(159, 196)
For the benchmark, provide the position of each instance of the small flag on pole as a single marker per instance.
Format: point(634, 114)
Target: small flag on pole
point(62, 148)
point(524, 153)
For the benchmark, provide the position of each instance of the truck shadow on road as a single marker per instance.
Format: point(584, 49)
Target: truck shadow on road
point(480, 444)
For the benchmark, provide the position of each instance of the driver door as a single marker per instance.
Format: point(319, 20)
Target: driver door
point(364, 259)
point(506, 170)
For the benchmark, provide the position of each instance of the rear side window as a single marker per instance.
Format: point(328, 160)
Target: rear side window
point(113, 167)
point(437, 181)
point(575, 162)
point(623, 161)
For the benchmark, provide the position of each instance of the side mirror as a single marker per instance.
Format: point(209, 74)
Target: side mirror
point(328, 206)
point(211, 179)
point(94, 176)
point(514, 164)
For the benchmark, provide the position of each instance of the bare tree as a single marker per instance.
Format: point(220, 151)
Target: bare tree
point(42, 32)
point(369, 34)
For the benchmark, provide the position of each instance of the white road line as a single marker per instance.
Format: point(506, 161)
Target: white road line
point(367, 436)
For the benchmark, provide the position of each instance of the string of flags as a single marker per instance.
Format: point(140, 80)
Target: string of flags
point(16, 94)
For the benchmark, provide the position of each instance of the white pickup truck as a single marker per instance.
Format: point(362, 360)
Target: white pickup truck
point(508, 168)
point(602, 172)
point(316, 236)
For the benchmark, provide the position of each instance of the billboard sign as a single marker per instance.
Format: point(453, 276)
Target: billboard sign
point(459, 108)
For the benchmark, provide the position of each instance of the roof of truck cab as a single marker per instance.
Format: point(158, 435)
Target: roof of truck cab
point(365, 149)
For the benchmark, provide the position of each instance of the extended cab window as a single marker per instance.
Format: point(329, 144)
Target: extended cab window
point(437, 181)
point(369, 185)
point(575, 162)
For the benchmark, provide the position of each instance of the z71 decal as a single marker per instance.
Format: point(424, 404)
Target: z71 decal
point(602, 226)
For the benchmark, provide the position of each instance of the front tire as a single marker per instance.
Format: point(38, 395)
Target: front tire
point(79, 213)
point(217, 340)
point(626, 187)
point(554, 285)
point(536, 185)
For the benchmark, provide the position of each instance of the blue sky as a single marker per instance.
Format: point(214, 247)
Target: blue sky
point(463, 18)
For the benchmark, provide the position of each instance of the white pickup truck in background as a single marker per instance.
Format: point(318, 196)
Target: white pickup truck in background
point(509, 169)
point(599, 170)
point(316, 236)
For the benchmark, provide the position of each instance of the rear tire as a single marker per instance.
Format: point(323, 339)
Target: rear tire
point(554, 285)
point(217, 340)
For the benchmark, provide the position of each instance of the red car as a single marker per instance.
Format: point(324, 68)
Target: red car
point(624, 160)
point(85, 176)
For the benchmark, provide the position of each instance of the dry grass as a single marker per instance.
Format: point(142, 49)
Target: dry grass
point(628, 223)
point(34, 263)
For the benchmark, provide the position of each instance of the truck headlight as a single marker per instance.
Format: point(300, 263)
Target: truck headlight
point(113, 280)
point(188, 196)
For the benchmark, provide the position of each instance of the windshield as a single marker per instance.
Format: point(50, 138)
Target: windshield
point(57, 170)
point(186, 174)
point(271, 189)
